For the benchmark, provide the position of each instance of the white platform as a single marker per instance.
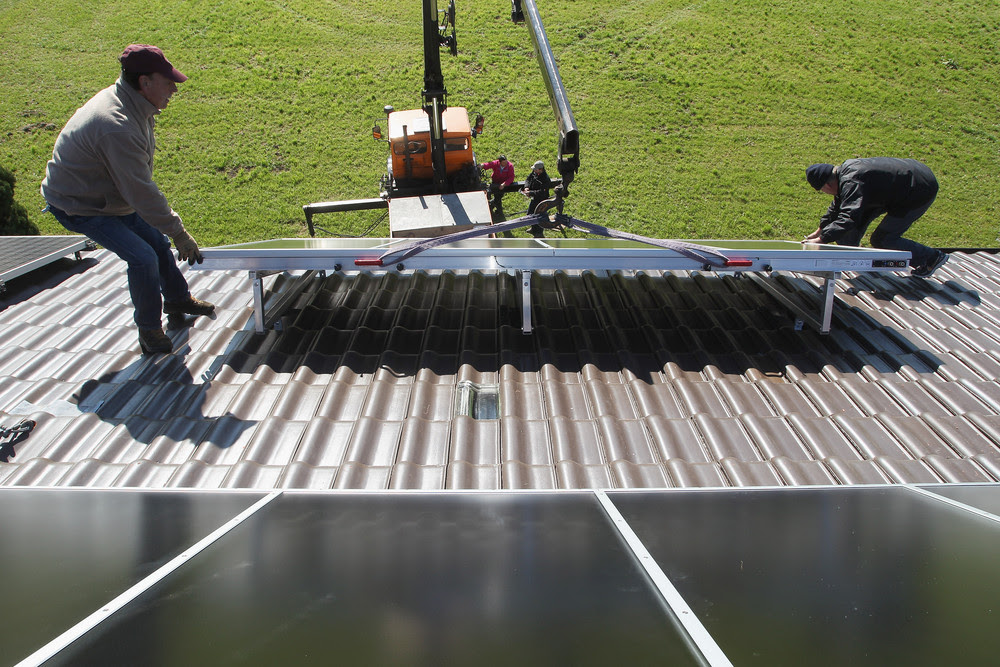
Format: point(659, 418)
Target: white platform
point(428, 216)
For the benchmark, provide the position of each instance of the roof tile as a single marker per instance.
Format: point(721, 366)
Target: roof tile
point(576, 440)
point(870, 398)
point(788, 399)
point(526, 441)
point(354, 475)
point(699, 398)
point(567, 400)
point(750, 473)
point(677, 439)
point(200, 475)
point(225, 441)
point(656, 399)
point(324, 443)
point(626, 440)
point(957, 471)
point(908, 472)
point(407, 475)
point(464, 475)
point(989, 463)
point(477, 442)
point(824, 438)
point(373, 443)
point(275, 442)
point(629, 475)
point(93, 473)
point(299, 475)
point(830, 398)
point(342, 401)
point(251, 475)
point(517, 475)
point(696, 474)
point(726, 438)
point(573, 475)
point(916, 436)
point(647, 380)
point(425, 443)
point(774, 438)
point(870, 438)
point(850, 471)
point(803, 473)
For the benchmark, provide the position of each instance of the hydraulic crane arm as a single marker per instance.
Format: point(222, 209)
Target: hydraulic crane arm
point(569, 135)
point(435, 94)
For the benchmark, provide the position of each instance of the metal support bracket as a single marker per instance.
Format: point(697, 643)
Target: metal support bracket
point(266, 320)
point(257, 279)
point(525, 277)
point(822, 323)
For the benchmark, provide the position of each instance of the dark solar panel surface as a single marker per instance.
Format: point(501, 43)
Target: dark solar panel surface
point(860, 576)
point(457, 579)
point(826, 576)
point(19, 254)
point(982, 497)
point(65, 553)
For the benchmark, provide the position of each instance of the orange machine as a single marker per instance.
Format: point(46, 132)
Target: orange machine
point(433, 184)
point(410, 141)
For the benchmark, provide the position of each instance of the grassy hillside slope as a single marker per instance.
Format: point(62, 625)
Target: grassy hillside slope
point(697, 119)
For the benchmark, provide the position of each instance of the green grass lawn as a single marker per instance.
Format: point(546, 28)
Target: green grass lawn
point(697, 119)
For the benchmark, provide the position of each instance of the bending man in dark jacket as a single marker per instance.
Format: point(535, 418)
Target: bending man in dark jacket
point(865, 188)
point(537, 186)
point(99, 182)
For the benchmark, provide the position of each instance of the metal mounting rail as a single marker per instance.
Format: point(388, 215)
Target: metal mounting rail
point(524, 256)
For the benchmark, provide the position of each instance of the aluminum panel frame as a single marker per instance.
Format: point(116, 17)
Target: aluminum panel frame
point(524, 256)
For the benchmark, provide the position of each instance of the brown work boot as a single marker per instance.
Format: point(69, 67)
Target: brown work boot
point(154, 340)
point(192, 306)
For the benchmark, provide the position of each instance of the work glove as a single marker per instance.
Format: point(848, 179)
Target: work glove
point(187, 249)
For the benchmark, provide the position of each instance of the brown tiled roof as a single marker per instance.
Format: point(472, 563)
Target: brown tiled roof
point(628, 381)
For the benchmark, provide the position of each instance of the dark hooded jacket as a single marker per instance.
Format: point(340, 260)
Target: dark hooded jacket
point(538, 186)
point(870, 187)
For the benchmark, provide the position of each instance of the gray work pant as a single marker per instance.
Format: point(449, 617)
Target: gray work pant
point(888, 235)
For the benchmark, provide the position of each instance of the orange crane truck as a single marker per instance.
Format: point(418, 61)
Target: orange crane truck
point(433, 184)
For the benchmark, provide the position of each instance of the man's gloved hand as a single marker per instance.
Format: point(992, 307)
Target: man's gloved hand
point(187, 249)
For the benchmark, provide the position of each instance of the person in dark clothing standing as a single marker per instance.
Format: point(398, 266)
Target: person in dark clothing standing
point(865, 188)
point(536, 187)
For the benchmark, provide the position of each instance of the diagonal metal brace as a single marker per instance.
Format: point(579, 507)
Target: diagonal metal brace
point(710, 257)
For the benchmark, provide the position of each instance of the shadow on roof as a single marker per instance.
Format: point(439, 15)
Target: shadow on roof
point(43, 278)
point(159, 391)
point(642, 328)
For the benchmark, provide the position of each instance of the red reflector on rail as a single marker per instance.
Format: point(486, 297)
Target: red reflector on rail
point(364, 261)
point(739, 262)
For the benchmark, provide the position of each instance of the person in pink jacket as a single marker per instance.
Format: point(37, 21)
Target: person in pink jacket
point(502, 176)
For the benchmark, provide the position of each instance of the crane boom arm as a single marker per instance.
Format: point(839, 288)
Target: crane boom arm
point(569, 134)
point(435, 95)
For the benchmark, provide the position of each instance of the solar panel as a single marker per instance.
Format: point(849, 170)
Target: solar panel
point(22, 254)
point(820, 576)
point(982, 497)
point(65, 553)
point(525, 256)
point(327, 247)
point(853, 576)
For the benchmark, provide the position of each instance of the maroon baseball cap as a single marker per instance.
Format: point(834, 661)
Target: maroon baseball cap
point(145, 59)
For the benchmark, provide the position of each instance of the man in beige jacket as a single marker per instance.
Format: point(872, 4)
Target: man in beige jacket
point(99, 183)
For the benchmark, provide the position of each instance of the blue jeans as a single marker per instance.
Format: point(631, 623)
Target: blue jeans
point(152, 269)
